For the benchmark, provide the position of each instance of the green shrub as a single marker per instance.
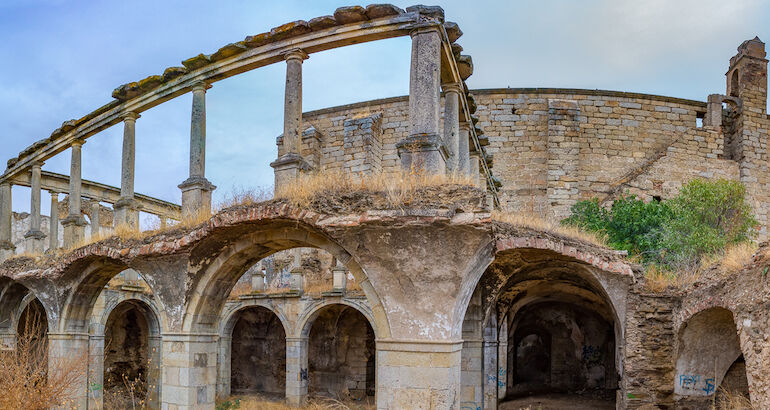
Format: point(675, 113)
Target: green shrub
point(703, 219)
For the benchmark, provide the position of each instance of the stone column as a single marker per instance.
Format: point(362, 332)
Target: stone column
point(418, 374)
point(475, 168)
point(95, 219)
point(296, 370)
point(74, 224)
point(490, 364)
point(6, 223)
point(196, 190)
point(224, 365)
point(53, 234)
point(35, 238)
point(126, 211)
point(463, 157)
point(70, 351)
point(452, 125)
point(422, 150)
point(472, 376)
point(189, 371)
point(502, 361)
point(96, 371)
point(290, 162)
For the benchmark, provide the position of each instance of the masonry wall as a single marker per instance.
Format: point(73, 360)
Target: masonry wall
point(553, 147)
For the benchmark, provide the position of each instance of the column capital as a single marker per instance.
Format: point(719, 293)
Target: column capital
point(452, 88)
point(465, 126)
point(295, 54)
point(201, 86)
point(77, 142)
point(130, 116)
point(426, 28)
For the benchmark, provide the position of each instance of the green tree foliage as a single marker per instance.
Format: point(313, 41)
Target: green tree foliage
point(703, 219)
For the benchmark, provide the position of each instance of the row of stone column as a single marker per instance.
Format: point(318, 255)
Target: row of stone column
point(196, 190)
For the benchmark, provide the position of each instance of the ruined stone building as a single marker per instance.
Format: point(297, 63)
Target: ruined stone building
point(436, 305)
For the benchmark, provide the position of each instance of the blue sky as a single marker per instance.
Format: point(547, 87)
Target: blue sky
point(62, 59)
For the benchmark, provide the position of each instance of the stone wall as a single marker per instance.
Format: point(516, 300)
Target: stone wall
point(552, 147)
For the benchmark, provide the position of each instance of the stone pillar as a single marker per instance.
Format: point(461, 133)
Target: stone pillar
point(189, 371)
point(472, 376)
point(196, 190)
point(502, 361)
point(224, 367)
point(339, 277)
point(422, 150)
point(70, 351)
point(35, 238)
point(96, 371)
point(53, 234)
point(490, 364)
point(463, 156)
point(258, 280)
point(95, 219)
point(452, 125)
point(6, 215)
point(296, 370)
point(289, 163)
point(418, 374)
point(297, 279)
point(74, 224)
point(126, 211)
point(475, 169)
point(713, 116)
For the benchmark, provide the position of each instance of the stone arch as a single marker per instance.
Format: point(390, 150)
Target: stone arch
point(341, 350)
point(229, 263)
point(708, 345)
point(230, 316)
point(542, 272)
point(89, 275)
point(143, 302)
point(603, 267)
point(308, 316)
point(15, 296)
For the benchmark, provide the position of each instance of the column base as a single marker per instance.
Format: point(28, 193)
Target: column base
point(418, 374)
point(126, 213)
point(423, 153)
point(34, 241)
point(287, 169)
point(74, 230)
point(196, 197)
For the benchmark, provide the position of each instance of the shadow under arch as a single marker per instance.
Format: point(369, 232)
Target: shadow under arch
point(263, 355)
point(15, 296)
point(119, 314)
point(341, 344)
point(310, 314)
point(251, 243)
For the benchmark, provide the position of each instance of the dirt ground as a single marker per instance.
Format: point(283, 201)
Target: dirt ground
point(557, 402)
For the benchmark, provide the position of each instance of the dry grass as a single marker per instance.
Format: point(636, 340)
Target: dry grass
point(399, 188)
point(723, 264)
point(318, 403)
point(319, 287)
point(27, 382)
point(730, 400)
point(241, 196)
point(737, 256)
point(538, 223)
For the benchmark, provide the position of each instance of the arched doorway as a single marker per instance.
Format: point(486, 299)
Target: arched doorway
point(258, 353)
point(131, 356)
point(341, 354)
point(710, 360)
point(557, 338)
